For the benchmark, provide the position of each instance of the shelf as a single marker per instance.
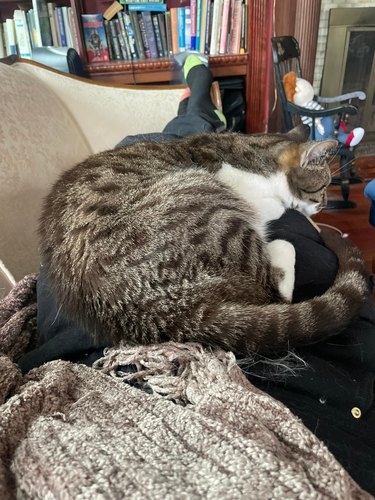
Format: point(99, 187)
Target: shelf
point(162, 70)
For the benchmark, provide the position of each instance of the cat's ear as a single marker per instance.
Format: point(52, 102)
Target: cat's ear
point(301, 133)
point(318, 150)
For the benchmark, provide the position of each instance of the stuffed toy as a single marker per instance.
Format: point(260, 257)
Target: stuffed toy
point(301, 92)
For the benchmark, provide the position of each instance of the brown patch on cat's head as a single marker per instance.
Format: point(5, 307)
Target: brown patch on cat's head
point(290, 156)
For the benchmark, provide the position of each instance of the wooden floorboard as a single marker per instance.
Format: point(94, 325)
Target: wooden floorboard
point(354, 221)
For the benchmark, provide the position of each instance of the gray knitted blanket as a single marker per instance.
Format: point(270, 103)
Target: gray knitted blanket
point(198, 429)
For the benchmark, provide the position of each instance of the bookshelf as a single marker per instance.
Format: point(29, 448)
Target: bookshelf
point(254, 66)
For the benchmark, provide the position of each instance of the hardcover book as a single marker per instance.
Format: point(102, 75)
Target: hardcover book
point(95, 37)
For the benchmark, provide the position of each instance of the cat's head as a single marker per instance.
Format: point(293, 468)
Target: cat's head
point(306, 165)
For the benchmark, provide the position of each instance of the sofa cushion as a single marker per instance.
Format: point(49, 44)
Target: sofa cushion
point(38, 140)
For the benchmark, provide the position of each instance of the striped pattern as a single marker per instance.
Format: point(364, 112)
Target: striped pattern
point(144, 244)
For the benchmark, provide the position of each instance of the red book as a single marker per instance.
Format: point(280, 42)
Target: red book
point(95, 38)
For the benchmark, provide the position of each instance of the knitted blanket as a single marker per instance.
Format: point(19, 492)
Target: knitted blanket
point(187, 424)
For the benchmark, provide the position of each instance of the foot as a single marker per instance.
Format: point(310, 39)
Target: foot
point(355, 137)
point(199, 78)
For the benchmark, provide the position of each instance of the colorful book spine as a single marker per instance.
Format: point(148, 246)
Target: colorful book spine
point(198, 25)
point(68, 33)
point(168, 31)
point(130, 33)
point(234, 47)
point(41, 13)
point(193, 23)
point(224, 27)
point(95, 37)
point(10, 37)
point(207, 40)
point(107, 30)
point(215, 27)
point(202, 36)
point(60, 21)
point(122, 36)
point(187, 28)
point(174, 29)
point(150, 7)
point(181, 28)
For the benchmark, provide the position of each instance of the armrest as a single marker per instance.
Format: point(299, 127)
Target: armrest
point(320, 113)
point(344, 97)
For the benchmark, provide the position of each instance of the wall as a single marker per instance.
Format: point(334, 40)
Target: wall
point(326, 5)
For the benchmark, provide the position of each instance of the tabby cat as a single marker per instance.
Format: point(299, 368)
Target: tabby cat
point(158, 241)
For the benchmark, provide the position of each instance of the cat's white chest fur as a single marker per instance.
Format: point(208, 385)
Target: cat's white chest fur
point(270, 196)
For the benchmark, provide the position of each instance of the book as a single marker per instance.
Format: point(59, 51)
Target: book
point(51, 7)
point(43, 27)
point(193, 23)
point(22, 34)
point(181, 28)
point(224, 27)
point(130, 33)
point(174, 29)
point(2, 41)
point(114, 39)
point(108, 37)
point(234, 47)
point(215, 27)
point(143, 34)
point(163, 32)
point(187, 28)
point(95, 37)
point(137, 35)
point(168, 31)
point(150, 34)
point(151, 7)
point(122, 37)
point(202, 36)
point(159, 45)
point(68, 32)
point(60, 22)
point(73, 29)
point(198, 25)
point(10, 37)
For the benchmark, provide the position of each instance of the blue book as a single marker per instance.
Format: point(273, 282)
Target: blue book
point(152, 7)
point(60, 20)
point(181, 28)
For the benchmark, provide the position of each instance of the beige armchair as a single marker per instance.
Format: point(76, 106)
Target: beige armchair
point(49, 122)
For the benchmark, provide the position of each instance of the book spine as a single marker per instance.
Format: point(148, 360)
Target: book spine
point(22, 34)
point(174, 29)
point(68, 33)
point(198, 25)
point(108, 36)
point(159, 45)
point(114, 39)
point(234, 47)
point(51, 6)
point(74, 31)
point(61, 26)
point(243, 44)
point(187, 28)
point(215, 27)
point(207, 40)
point(123, 37)
point(224, 27)
point(45, 28)
point(150, 34)
point(131, 36)
point(2, 41)
point(202, 35)
point(144, 37)
point(38, 35)
point(137, 35)
point(181, 28)
point(149, 7)
point(121, 40)
point(161, 22)
point(10, 37)
point(193, 23)
point(168, 32)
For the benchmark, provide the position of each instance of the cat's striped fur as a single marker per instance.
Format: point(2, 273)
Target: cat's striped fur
point(154, 241)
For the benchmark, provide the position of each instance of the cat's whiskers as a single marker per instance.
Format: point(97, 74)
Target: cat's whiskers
point(341, 167)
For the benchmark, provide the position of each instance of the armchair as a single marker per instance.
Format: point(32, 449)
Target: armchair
point(286, 58)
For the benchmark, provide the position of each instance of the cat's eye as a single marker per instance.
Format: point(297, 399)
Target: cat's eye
point(324, 186)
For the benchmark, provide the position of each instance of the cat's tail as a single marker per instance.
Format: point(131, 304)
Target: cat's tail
point(249, 328)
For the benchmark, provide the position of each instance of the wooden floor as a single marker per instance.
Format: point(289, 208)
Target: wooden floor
point(354, 221)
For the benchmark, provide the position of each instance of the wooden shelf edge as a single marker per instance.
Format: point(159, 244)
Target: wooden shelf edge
point(156, 65)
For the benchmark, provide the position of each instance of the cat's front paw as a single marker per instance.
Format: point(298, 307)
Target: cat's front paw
point(283, 257)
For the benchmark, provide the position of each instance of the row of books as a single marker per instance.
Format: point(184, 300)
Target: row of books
point(44, 25)
point(146, 30)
